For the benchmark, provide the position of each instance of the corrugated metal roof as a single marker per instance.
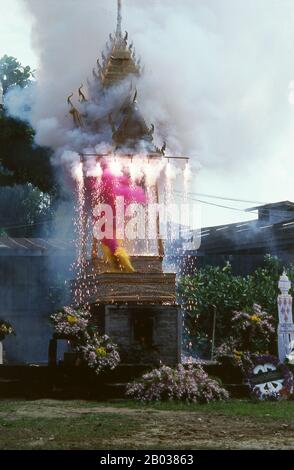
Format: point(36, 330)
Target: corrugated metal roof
point(247, 235)
point(284, 205)
point(33, 244)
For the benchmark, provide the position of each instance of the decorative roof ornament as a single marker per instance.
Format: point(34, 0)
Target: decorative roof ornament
point(69, 102)
point(95, 74)
point(99, 66)
point(284, 283)
point(135, 96)
point(152, 129)
point(163, 149)
point(76, 116)
point(82, 97)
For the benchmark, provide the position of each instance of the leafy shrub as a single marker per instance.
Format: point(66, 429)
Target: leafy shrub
point(216, 290)
point(189, 383)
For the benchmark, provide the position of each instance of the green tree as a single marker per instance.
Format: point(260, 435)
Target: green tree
point(13, 73)
point(24, 211)
point(22, 161)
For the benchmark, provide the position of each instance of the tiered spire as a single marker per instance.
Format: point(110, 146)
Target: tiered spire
point(119, 19)
point(118, 64)
point(120, 59)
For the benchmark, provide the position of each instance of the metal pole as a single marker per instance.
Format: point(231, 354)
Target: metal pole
point(213, 332)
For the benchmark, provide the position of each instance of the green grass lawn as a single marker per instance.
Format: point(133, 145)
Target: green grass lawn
point(53, 424)
point(281, 410)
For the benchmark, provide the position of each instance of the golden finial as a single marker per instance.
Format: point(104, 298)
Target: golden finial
point(69, 100)
point(81, 94)
point(135, 97)
point(99, 66)
point(77, 119)
point(163, 149)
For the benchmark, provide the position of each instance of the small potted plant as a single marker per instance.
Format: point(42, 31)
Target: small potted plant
point(5, 330)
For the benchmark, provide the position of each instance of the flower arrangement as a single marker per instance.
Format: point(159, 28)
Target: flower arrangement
point(253, 331)
point(5, 329)
point(97, 351)
point(70, 322)
point(190, 383)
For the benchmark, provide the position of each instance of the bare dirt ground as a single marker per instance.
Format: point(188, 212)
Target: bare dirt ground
point(49, 424)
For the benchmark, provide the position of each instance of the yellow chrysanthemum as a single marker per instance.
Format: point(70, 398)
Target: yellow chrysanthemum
point(238, 353)
point(255, 318)
point(101, 352)
point(71, 319)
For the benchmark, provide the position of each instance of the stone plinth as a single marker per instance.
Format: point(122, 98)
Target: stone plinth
point(145, 334)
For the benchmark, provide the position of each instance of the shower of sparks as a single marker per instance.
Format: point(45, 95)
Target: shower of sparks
point(115, 167)
point(77, 173)
point(135, 169)
point(187, 180)
point(187, 173)
point(80, 223)
point(95, 171)
point(141, 170)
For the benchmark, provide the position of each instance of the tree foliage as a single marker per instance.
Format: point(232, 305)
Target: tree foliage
point(216, 289)
point(25, 162)
point(13, 73)
point(21, 160)
point(24, 211)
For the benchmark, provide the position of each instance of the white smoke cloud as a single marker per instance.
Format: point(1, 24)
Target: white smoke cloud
point(215, 84)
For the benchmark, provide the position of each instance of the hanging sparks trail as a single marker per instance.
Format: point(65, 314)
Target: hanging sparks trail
point(80, 229)
point(187, 180)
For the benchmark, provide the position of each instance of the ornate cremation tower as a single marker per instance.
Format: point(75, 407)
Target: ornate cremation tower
point(134, 302)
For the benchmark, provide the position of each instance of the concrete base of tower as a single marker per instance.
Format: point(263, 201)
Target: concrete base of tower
point(145, 334)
